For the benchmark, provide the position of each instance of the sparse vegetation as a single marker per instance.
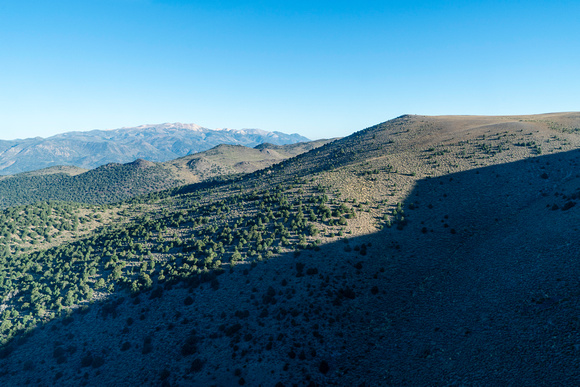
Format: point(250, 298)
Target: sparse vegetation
point(284, 271)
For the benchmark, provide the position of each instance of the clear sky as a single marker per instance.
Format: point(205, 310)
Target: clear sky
point(318, 68)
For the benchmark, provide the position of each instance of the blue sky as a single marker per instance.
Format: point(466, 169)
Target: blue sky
point(318, 68)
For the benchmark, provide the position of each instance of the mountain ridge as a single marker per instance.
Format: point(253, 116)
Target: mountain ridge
point(115, 181)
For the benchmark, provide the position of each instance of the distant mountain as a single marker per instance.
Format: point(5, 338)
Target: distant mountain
point(158, 143)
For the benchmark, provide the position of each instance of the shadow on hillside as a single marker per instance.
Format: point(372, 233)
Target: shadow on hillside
point(480, 287)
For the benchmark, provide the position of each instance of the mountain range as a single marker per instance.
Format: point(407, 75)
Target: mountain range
point(157, 143)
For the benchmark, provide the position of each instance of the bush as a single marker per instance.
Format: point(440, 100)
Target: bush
point(190, 345)
point(230, 331)
point(87, 360)
point(98, 361)
point(164, 374)
point(28, 365)
point(157, 293)
point(324, 367)
point(215, 284)
point(197, 365)
point(312, 230)
point(147, 346)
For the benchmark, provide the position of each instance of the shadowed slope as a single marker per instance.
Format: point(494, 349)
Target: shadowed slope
point(478, 287)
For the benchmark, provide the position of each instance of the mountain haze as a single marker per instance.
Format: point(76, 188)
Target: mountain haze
point(151, 142)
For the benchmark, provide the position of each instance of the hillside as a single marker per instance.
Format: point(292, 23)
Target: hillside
point(235, 159)
point(69, 170)
point(420, 251)
point(116, 182)
point(156, 143)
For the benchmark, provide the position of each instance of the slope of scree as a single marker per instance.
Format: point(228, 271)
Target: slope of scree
point(389, 269)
